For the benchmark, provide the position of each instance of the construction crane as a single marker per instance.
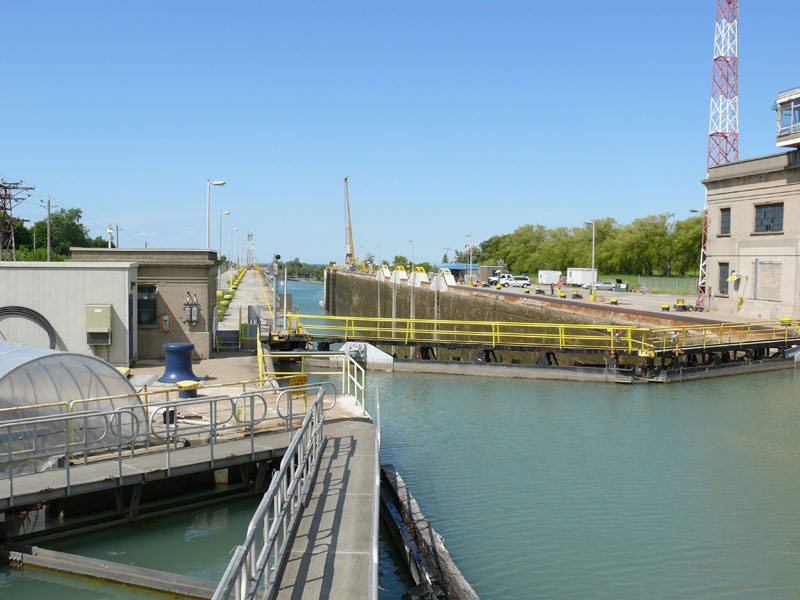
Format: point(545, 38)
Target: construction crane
point(723, 130)
point(349, 250)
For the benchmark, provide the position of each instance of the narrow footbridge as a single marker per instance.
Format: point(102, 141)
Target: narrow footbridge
point(549, 337)
point(310, 452)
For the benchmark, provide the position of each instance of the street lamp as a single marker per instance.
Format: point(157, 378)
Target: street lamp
point(594, 276)
point(469, 235)
point(219, 256)
point(230, 259)
point(209, 183)
point(413, 277)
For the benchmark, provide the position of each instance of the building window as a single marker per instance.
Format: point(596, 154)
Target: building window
point(147, 305)
point(724, 221)
point(724, 271)
point(789, 117)
point(769, 217)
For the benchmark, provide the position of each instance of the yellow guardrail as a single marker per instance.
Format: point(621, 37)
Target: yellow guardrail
point(722, 334)
point(352, 374)
point(551, 335)
point(483, 333)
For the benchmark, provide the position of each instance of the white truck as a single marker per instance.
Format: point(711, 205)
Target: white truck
point(503, 279)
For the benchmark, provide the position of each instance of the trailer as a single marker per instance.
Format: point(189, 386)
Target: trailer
point(581, 276)
point(548, 277)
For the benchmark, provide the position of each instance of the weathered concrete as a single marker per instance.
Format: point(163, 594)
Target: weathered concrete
point(357, 295)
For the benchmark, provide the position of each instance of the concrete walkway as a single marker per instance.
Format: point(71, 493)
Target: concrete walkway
point(252, 291)
point(330, 555)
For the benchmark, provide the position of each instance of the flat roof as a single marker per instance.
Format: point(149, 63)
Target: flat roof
point(67, 264)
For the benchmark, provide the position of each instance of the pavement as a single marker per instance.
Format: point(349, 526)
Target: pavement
point(252, 291)
point(634, 300)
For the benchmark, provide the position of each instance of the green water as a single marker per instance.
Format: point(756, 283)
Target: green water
point(552, 490)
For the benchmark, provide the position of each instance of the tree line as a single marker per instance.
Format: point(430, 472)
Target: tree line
point(66, 231)
point(652, 245)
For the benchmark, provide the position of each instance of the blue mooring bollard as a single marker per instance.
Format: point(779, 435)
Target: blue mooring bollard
point(179, 363)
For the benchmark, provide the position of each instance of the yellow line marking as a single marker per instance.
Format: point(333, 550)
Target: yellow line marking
point(263, 291)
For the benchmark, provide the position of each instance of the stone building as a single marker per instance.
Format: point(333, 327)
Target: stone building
point(753, 216)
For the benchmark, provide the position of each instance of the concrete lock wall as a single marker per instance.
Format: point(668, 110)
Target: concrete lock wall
point(768, 265)
point(60, 293)
point(353, 294)
point(174, 272)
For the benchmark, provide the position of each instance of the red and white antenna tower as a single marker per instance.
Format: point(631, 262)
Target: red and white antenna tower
point(723, 128)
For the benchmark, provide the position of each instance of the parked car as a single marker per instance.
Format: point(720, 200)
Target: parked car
point(522, 281)
point(503, 279)
point(600, 285)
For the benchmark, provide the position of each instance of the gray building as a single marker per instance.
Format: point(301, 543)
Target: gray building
point(753, 216)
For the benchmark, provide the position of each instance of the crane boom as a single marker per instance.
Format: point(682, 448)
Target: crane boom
point(348, 231)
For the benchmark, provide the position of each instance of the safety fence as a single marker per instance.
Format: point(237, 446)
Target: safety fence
point(686, 286)
point(722, 335)
point(337, 364)
point(257, 563)
point(60, 443)
point(572, 337)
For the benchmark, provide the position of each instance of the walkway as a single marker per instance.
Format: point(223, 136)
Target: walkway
point(251, 292)
point(330, 555)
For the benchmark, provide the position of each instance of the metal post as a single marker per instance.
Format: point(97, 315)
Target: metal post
point(413, 278)
point(469, 235)
point(285, 297)
point(48, 229)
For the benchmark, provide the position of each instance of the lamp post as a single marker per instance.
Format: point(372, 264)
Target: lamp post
point(594, 277)
point(219, 256)
point(230, 259)
point(413, 278)
point(469, 235)
point(209, 183)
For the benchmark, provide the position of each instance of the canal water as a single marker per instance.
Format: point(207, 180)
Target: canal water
point(548, 489)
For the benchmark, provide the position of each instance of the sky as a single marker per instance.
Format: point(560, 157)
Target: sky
point(448, 118)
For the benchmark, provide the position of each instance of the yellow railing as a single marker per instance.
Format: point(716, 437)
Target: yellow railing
point(549, 335)
point(481, 333)
point(722, 334)
point(352, 374)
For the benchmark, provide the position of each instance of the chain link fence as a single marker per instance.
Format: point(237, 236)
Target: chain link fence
point(668, 285)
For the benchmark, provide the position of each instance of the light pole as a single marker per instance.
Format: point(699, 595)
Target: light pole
point(413, 277)
point(594, 277)
point(219, 256)
point(209, 183)
point(469, 235)
point(230, 259)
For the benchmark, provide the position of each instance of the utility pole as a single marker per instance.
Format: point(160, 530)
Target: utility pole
point(48, 229)
point(117, 238)
point(9, 199)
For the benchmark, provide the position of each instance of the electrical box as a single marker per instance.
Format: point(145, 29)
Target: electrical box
point(165, 324)
point(98, 324)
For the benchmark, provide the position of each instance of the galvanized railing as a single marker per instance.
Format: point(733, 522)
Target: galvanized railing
point(259, 561)
point(376, 499)
point(62, 442)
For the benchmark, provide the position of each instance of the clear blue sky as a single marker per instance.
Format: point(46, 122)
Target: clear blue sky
point(448, 117)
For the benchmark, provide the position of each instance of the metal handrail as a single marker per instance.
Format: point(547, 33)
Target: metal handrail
point(376, 497)
point(144, 431)
point(260, 560)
